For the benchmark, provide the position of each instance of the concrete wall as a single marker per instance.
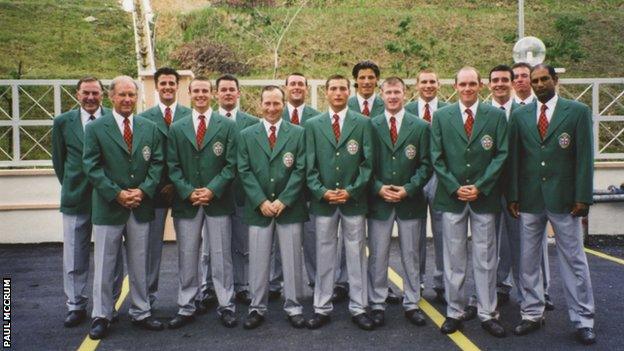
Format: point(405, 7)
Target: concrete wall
point(29, 206)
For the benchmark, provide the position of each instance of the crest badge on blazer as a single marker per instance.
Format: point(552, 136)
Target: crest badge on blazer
point(564, 140)
point(147, 152)
point(487, 142)
point(410, 151)
point(288, 159)
point(217, 148)
point(353, 147)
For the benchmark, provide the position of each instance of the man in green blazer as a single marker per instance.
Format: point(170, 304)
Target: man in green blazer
point(427, 85)
point(163, 114)
point(297, 112)
point(402, 167)
point(228, 95)
point(271, 162)
point(67, 149)
point(468, 151)
point(123, 159)
point(339, 159)
point(551, 169)
point(202, 164)
point(366, 101)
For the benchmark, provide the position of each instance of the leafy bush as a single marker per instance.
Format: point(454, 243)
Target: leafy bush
point(204, 57)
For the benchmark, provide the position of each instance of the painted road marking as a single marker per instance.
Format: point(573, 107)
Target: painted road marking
point(605, 256)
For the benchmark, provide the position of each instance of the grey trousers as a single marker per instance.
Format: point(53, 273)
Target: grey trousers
point(154, 251)
point(436, 231)
point(76, 250)
point(379, 237)
point(260, 244)
point(188, 241)
point(353, 231)
point(309, 248)
point(455, 232)
point(204, 268)
point(508, 236)
point(276, 274)
point(240, 250)
point(106, 253)
point(577, 286)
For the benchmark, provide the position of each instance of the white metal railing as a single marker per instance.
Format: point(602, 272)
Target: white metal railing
point(27, 109)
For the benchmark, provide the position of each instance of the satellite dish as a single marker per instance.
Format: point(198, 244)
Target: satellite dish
point(530, 50)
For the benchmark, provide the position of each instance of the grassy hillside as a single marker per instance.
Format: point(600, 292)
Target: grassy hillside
point(329, 36)
point(51, 39)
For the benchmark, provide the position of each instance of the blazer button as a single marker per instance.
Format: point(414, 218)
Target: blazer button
point(467, 181)
point(468, 149)
point(393, 172)
point(273, 195)
point(394, 158)
point(337, 168)
point(337, 184)
point(544, 179)
point(272, 179)
point(543, 163)
point(132, 176)
point(467, 164)
point(337, 153)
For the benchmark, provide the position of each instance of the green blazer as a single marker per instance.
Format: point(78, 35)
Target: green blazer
point(243, 120)
point(346, 164)
point(111, 168)
point(155, 115)
point(412, 107)
point(458, 161)
point(213, 165)
point(67, 149)
point(273, 174)
point(405, 163)
point(377, 108)
point(555, 173)
point(308, 112)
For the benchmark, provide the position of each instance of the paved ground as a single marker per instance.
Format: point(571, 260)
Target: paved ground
point(38, 310)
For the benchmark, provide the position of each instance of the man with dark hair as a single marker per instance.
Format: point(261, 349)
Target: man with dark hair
point(123, 160)
point(297, 112)
point(428, 84)
point(202, 165)
point(67, 149)
point(551, 168)
point(402, 167)
point(339, 160)
point(366, 75)
point(468, 151)
point(523, 94)
point(228, 94)
point(271, 162)
point(163, 114)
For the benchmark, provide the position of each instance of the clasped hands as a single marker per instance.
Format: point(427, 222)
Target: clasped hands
point(130, 198)
point(579, 209)
point(272, 209)
point(336, 197)
point(392, 193)
point(467, 193)
point(201, 196)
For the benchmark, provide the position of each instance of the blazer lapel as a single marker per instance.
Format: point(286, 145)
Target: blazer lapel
point(138, 132)
point(531, 122)
point(212, 129)
point(263, 139)
point(384, 132)
point(114, 133)
point(76, 126)
point(282, 138)
point(326, 128)
point(559, 115)
point(457, 122)
point(189, 132)
point(162, 126)
point(481, 119)
point(404, 132)
point(347, 128)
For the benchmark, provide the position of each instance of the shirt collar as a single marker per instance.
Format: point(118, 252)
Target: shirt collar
point(506, 105)
point(526, 101)
point(399, 115)
point(291, 108)
point(341, 114)
point(550, 104)
point(370, 100)
point(172, 107)
point(223, 112)
point(472, 108)
point(84, 115)
point(207, 114)
point(433, 104)
point(267, 126)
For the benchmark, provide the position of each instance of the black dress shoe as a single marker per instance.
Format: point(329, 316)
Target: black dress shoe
point(254, 319)
point(470, 312)
point(74, 318)
point(274, 295)
point(526, 326)
point(586, 336)
point(179, 321)
point(363, 321)
point(378, 317)
point(494, 327)
point(450, 325)
point(297, 321)
point(548, 304)
point(243, 297)
point(149, 323)
point(99, 328)
point(228, 319)
point(502, 298)
point(318, 321)
point(416, 317)
point(340, 294)
point(439, 298)
point(393, 298)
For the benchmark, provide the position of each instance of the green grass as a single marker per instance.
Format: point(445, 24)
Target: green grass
point(52, 40)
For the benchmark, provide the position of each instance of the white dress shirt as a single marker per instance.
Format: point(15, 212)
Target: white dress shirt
point(291, 108)
point(172, 107)
point(196, 114)
point(370, 100)
point(267, 126)
point(341, 116)
point(550, 110)
point(84, 116)
point(472, 108)
point(433, 106)
point(120, 121)
point(398, 116)
point(526, 101)
point(223, 112)
point(507, 106)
